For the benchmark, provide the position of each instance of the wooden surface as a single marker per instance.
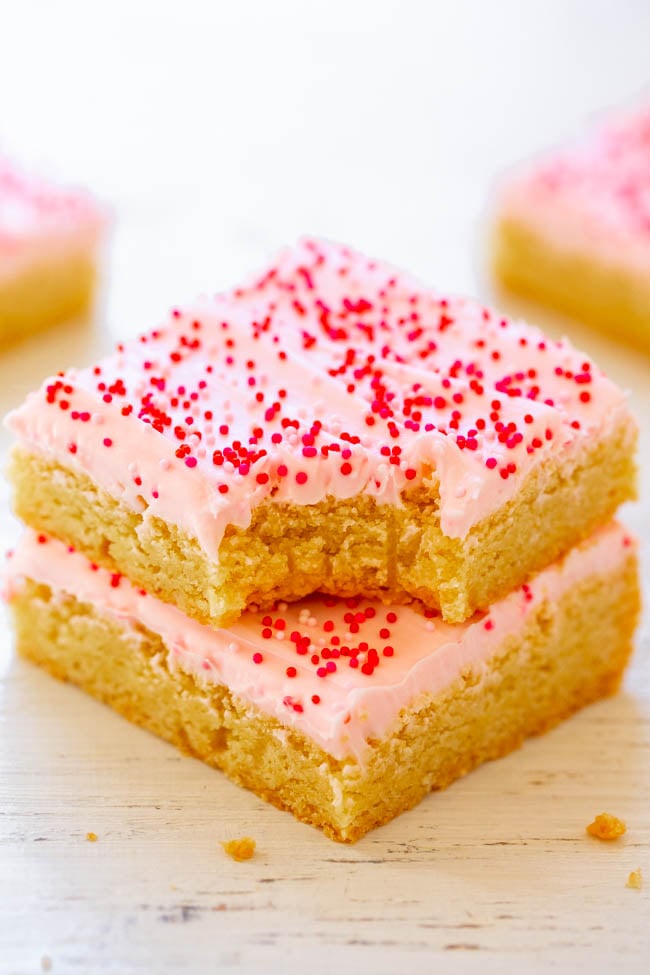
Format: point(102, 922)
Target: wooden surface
point(218, 132)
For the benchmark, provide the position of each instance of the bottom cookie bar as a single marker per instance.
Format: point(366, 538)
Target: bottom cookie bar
point(344, 712)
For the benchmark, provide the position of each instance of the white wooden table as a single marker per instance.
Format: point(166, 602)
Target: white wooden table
point(219, 134)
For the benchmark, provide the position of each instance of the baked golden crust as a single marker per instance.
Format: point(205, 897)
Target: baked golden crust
point(614, 300)
point(45, 294)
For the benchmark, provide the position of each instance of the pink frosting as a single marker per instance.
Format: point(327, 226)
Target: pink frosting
point(593, 197)
point(340, 671)
point(39, 220)
point(328, 374)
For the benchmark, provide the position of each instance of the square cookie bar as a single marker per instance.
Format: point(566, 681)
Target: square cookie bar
point(344, 712)
point(573, 230)
point(49, 241)
point(331, 425)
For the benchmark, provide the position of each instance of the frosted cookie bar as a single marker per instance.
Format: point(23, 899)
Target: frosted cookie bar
point(344, 712)
point(573, 230)
point(332, 425)
point(49, 240)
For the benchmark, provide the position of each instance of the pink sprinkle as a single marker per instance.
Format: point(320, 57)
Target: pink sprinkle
point(301, 477)
point(257, 658)
point(108, 442)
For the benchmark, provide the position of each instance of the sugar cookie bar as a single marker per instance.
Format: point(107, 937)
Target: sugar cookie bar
point(344, 712)
point(573, 230)
point(49, 240)
point(331, 426)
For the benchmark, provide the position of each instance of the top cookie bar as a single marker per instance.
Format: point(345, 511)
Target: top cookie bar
point(331, 425)
point(573, 229)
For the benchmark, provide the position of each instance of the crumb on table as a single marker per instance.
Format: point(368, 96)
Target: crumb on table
point(635, 880)
point(606, 827)
point(242, 849)
point(46, 963)
point(91, 837)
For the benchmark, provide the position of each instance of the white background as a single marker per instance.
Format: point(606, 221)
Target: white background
point(217, 132)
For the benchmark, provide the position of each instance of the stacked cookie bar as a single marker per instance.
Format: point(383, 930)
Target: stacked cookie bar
point(332, 532)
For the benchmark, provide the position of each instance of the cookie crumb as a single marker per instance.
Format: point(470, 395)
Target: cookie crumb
point(91, 837)
point(242, 849)
point(606, 827)
point(46, 963)
point(635, 880)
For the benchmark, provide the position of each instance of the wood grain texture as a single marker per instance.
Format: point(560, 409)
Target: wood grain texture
point(497, 873)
